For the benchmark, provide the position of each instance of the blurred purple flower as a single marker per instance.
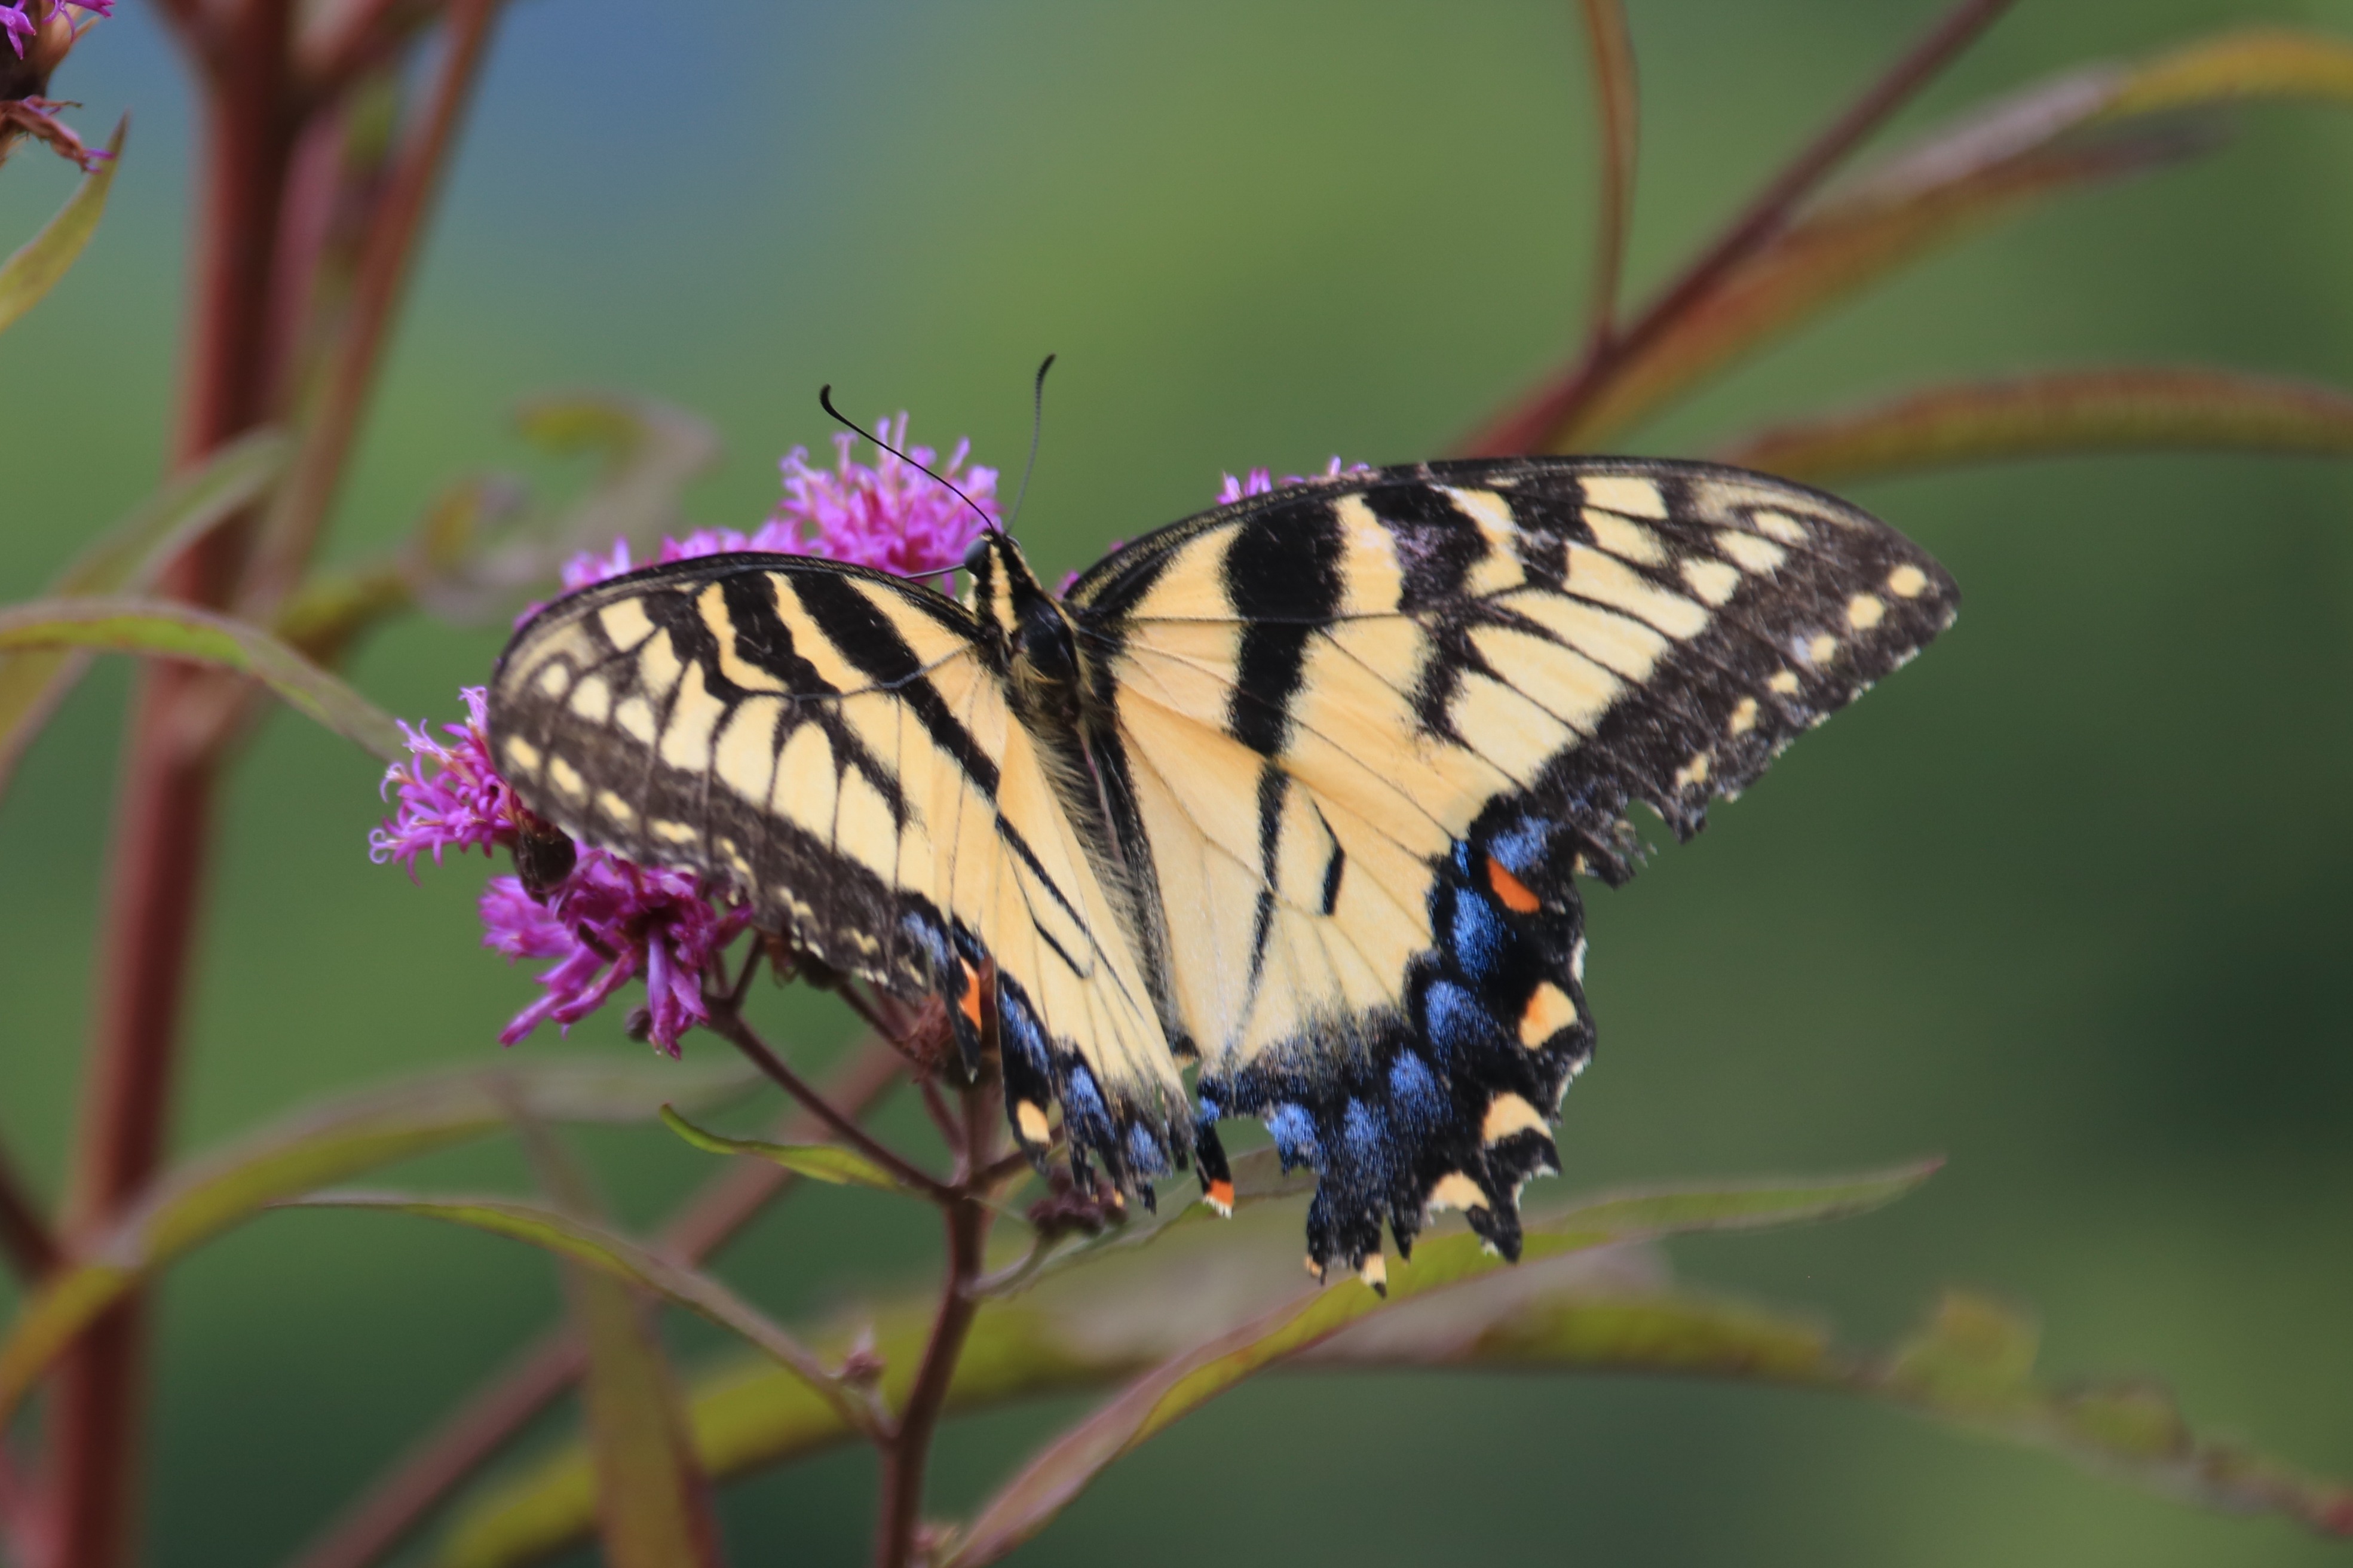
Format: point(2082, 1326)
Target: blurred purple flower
point(605, 923)
point(15, 21)
point(1260, 481)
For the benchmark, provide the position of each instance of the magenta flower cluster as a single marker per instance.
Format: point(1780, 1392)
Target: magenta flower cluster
point(605, 923)
point(21, 19)
point(611, 920)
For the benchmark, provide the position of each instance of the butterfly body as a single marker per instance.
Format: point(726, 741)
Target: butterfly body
point(1298, 789)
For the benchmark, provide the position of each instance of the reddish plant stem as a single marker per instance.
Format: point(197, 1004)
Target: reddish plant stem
point(1616, 106)
point(907, 1456)
point(1552, 413)
point(25, 1235)
point(391, 1511)
point(730, 1025)
point(367, 34)
point(164, 808)
point(303, 502)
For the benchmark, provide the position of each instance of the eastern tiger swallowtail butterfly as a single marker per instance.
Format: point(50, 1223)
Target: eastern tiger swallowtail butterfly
point(1297, 789)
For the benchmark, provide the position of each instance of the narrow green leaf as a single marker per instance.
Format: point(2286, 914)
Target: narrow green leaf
point(164, 628)
point(1032, 1499)
point(194, 1203)
point(652, 1505)
point(599, 1247)
point(34, 269)
point(2063, 413)
point(126, 559)
point(820, 1162)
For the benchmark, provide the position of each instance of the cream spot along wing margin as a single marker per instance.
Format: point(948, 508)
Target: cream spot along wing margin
point(821, 758)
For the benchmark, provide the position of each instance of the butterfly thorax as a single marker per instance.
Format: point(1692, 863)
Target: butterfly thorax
point(1029, 631)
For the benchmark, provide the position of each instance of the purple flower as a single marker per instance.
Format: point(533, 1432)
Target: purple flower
point(1260, 481)
point(891, 515)
point(606, 923)
point(457, 801)
point(18, 24)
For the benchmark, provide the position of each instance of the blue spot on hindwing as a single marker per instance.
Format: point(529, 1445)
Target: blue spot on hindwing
point(1521, 847)
point(1083, 1102)
point(1458, 1024)
point(1477, 935)
point(1294, 1136)
point(1145, 1153)
point(1416, 1093)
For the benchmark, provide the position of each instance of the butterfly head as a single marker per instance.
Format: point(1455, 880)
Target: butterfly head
point(1028, 626)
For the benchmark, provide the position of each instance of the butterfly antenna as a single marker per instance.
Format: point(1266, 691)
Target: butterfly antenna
point(1037, 428)
point(825, 401)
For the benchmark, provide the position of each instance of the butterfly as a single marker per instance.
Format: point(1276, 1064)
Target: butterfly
point(1296, 790)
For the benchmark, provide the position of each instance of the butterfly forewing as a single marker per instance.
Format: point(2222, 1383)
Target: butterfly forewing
point(836, 745)
point(1367, 731)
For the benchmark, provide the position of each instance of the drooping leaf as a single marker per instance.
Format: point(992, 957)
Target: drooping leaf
point(2129, 409)
point(599, 1247)
point(36, 267)
point(165, 628)
point(820, 1162)
point(127, 558)
point(1047, 1485)
point(651, 451)
point(196, 1202)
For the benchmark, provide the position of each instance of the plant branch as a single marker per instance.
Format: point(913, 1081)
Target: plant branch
point(731, 1027)
point(370, 32)
point(1616, 103)
point(907, 1456)
point(25, 1236)
point(163, 808)
point(392, 1509)
point(292, 529)
point(1548, 419)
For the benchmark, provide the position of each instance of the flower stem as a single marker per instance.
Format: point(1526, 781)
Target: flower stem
point(907, 1456)
point(391, 1511)
point(731, 1027)
point(1549, 420)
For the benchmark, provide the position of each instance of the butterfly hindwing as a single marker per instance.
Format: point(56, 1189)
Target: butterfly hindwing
point(1363, 732)
point(836, 744)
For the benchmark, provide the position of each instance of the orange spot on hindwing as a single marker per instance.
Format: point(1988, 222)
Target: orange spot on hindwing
point(968, 1004)
point(1516, 895)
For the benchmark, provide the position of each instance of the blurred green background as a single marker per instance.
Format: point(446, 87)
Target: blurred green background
point(2067, 901)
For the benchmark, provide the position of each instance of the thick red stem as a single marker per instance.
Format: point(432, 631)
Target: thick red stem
point(164, 808)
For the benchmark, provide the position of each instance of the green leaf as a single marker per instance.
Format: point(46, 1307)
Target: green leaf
point(651, 452)
point(652, 1503)
point(165, 628)
point(820, 1162)
point(46, 257)
point(1032, 1499)
point(599, 1247)
point(196, 1202)
point(127, 558)
point(2131, 409)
